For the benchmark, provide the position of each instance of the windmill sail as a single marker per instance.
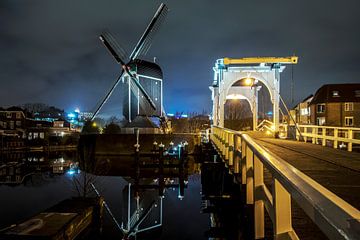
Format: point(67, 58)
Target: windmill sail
point(141, 48)
point(150, 31)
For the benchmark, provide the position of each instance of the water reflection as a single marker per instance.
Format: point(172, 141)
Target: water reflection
point(150, 197)
point(19, 167)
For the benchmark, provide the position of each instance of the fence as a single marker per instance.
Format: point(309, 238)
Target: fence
point(334, 136)
point(336, 218)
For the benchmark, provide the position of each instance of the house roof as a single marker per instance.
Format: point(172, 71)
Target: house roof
point(348, 92)
point(15, 109)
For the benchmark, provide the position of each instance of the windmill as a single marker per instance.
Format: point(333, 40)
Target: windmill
point(139, 102)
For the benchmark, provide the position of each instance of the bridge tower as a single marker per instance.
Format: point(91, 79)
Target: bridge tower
point(250, 71)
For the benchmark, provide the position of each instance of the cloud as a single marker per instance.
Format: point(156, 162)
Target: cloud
point(50, 50)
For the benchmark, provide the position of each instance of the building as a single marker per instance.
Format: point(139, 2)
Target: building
point(150, 77)
point(336, 105)
point(12, 121)
point(302, 111)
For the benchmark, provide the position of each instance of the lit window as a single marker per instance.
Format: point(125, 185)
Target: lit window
point(304, 111)
point(320, 108)
point(349, 121)
point(320, 121)
point(8, 115)
point(349, 106)
point(335, 94)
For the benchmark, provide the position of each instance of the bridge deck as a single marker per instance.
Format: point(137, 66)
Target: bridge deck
point(337, 170)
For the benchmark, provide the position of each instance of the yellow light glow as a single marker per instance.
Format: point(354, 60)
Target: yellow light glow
point(248, 81)
point(94, 124)
point(268, 132)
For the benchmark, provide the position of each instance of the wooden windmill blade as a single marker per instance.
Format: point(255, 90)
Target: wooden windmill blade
point(145, 40)
point(141, 47)
point(107, 96)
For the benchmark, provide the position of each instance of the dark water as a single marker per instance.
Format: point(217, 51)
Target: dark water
point(42, 189)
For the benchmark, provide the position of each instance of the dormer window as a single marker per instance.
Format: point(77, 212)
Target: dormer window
point(335, 94)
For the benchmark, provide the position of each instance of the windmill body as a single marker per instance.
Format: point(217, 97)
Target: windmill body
point(149, 76)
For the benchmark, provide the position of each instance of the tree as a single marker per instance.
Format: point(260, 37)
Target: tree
point(90, 127)
point(112, 128)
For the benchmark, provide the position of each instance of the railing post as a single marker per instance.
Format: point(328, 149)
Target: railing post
point(323, 137)
point(350, 137)
point(231, 149)
point(305, 131)
point(237, 148)
point(282, 209)
point(336, 134)
point(227, 136)
point(259, 216)
point(313, 132)
point(249, 176)
point(222, 134)
point(243, 161)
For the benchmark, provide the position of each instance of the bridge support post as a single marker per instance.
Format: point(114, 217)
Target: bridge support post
point(276, 99)
point(282, 209)
point(336, 134)
point(237, 151)
point(314, 132)
point(259, 216)
point(249, 176)
point(243, 162)
point(231, 149)
point(227, 145)
point(350, 137)
point(323, 131)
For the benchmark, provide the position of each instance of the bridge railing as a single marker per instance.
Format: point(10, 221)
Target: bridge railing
point(335, 217)
point(336, 136)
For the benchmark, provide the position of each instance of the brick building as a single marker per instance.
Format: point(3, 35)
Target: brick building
point(336, 105)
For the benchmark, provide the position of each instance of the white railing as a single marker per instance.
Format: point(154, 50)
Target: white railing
point(336, 136)
point(335, 217)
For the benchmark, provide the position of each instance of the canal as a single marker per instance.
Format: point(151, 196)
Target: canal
point(44, 179)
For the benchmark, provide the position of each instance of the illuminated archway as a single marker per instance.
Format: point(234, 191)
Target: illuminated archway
point(226, 74)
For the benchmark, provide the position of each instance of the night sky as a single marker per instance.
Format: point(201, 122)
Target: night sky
point(50, 51)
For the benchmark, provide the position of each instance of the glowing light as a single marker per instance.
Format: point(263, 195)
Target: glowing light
point(235, 96)
point(170, 114)
point(268, 132)
point(94, 124)
point(184, 115)
point(77, 110)
point(248, 81)
point(71, 172)
point(71, 115)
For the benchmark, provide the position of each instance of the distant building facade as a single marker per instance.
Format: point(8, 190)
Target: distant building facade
point(336, 105)
point(302, 111)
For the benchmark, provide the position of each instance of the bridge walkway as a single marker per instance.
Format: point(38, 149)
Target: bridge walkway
point(337, 170)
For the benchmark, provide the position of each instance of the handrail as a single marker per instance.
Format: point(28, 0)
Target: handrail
point(312, 132)
point(335, 217)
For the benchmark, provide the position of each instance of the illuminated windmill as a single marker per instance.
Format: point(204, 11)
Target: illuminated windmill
point(144, 79)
